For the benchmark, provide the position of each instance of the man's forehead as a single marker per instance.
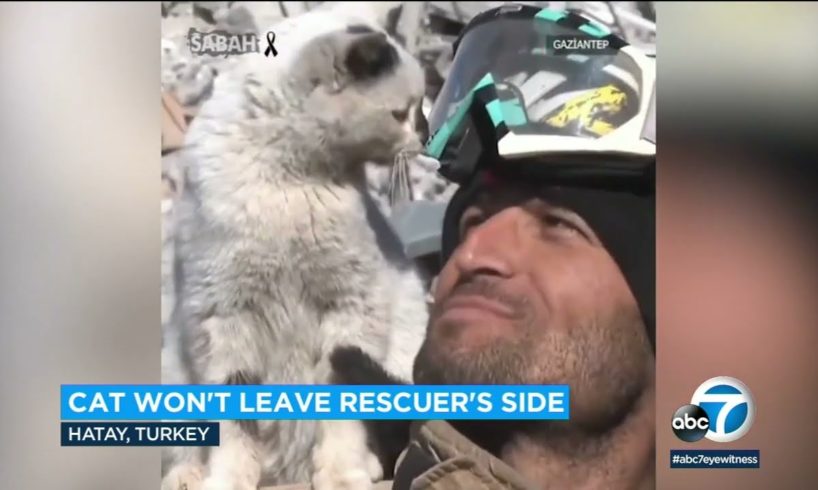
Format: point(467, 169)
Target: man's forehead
point(500, 196)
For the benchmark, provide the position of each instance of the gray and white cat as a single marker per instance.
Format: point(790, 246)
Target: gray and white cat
point(281, 256)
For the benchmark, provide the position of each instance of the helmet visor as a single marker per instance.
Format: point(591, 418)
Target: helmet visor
point(552, 73)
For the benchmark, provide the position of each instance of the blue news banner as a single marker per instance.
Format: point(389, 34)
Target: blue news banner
point(96, 415)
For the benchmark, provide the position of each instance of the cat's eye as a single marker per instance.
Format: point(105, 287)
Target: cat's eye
point(401, 116)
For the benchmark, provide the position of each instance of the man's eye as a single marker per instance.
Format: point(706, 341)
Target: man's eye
point(469, 221)
point(556, 220)
point(553, 220)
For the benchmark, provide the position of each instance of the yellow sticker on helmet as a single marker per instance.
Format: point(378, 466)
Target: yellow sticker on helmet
point(591, 109)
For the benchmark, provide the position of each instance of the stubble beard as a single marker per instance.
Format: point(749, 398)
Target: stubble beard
point(607, 367)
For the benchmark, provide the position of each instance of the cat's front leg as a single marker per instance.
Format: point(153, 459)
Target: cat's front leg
point(341, 457)
point(235, 464)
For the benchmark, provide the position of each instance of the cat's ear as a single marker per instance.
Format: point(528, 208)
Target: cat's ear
point(369, 54)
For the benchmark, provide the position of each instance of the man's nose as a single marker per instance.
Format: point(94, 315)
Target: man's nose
point(495, 247)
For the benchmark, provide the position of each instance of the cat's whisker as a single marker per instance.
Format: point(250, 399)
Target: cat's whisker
point(400, 186)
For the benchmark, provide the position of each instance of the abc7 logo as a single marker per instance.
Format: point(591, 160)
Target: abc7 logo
point(721, 409)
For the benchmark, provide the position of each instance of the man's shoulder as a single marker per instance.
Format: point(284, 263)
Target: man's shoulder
point(384, 485)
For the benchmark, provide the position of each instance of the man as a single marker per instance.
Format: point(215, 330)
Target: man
point(531, 296)
point(548, 253)
point(548, 249)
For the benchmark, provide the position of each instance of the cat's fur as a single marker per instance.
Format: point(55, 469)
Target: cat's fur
point(281, 256)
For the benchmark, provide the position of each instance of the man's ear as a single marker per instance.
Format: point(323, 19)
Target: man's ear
point(370, 54)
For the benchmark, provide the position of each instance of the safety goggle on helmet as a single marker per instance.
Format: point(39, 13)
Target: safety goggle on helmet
point(510, 102)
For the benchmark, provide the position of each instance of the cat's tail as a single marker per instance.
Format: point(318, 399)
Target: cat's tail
point(388, 438)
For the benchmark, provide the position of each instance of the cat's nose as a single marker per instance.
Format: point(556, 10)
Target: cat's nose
point(414, 145)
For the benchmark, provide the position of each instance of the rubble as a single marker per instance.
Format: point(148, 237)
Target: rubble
point(426, 30)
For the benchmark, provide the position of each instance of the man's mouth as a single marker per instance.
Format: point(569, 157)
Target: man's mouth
point(479, 304)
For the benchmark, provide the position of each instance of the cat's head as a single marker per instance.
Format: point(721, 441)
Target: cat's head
point(366, 90)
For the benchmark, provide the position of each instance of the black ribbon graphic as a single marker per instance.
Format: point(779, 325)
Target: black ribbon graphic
point(270, 48)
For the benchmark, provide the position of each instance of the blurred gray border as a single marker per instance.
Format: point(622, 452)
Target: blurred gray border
point(80, 227)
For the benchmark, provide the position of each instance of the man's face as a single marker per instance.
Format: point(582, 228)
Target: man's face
point(531, 296)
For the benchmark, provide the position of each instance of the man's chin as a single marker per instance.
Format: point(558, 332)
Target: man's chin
point(487, 360)
point(465, 330)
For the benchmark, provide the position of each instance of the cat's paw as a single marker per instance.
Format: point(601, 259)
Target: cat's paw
point(342, 468)
point(329, 478)
point(220, 483)
point(184, 477)
point(373, 465)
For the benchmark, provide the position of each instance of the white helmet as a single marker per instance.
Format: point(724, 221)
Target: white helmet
point(519, 95)
point(577, 127)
